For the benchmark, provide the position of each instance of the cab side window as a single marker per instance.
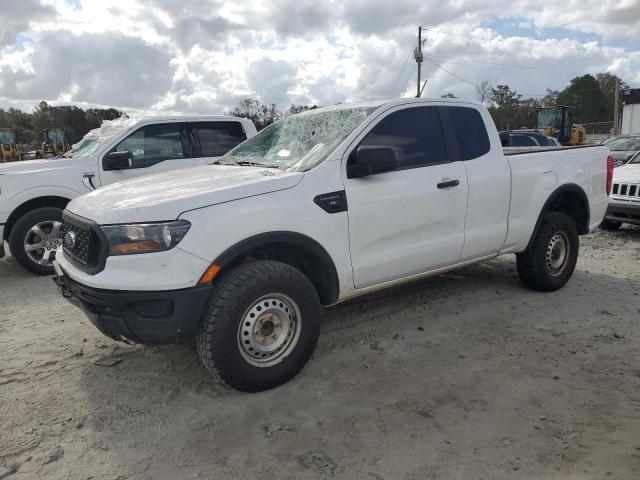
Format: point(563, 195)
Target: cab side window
point(470, 132)
point(217, 138)
point(415, 133)
point(153, 144)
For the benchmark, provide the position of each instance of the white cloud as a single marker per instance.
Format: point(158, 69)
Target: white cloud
point(204, 55)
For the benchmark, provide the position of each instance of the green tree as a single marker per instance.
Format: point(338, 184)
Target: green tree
point(551, 98)
point(76, 121)
point(261, 115)
point(585, 95)
point(295, 108)
point(607, 83)
point(503, 97)
point(509, 110)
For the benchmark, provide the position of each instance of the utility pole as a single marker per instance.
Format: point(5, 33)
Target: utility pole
point(616, 113)
point(417, 54)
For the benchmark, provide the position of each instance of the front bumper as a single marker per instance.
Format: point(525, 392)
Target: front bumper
point(625, 213)
point(2, 241)
point(150, 317)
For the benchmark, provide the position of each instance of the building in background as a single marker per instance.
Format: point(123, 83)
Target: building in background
point(631, 112)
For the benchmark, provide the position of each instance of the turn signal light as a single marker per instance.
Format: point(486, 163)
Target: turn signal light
point(209, 274)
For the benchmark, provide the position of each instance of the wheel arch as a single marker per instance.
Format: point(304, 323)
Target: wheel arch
point(295, 249)
point(571, 200)
point(29, 205)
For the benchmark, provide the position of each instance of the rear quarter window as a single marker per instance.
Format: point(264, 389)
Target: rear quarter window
point(470, 132)
point(217, 138)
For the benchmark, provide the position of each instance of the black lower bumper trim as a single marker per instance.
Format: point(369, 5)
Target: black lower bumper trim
point(150, 317)
point(623, 213)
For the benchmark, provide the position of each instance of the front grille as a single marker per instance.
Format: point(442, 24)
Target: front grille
point(80, 241)
point(628, 190)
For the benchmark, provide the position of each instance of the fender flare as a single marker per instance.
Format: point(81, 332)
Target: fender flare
point(294, 238)
point(567, 188)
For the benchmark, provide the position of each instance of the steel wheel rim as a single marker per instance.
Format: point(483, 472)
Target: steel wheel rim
point(42, 240)
point(557, 255)
point(269, 330)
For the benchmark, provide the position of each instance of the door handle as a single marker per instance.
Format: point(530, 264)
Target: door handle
point(449, 183)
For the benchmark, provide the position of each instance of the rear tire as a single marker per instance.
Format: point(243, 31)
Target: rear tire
point(260, 327)
point(549, 261)
point(24, 237)
point(610, 225)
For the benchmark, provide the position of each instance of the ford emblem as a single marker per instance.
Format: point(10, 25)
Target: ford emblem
point(70, 240)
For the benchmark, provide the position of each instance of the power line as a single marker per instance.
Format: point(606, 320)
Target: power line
point(476, 85)
point(402, 69)
point(537, 43)
point(499, 66)
point(450, 73)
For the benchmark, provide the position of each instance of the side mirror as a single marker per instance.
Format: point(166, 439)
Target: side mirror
point(117, 161)
point(372, 159)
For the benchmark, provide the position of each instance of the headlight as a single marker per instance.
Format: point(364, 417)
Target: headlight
point(145, 237)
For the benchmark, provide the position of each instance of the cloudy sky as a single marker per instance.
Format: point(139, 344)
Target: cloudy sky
point(202, 56)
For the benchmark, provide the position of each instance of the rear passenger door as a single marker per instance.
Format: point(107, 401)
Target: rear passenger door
point(213, 139)
point(409, 220)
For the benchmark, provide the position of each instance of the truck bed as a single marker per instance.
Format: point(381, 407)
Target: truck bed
point(525, 150)
point(537, 172)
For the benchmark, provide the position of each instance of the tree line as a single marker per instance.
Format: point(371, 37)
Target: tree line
point(591, 95)
point(76, 121)
point(593, 98)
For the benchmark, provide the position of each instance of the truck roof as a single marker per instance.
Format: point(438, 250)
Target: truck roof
point(390, 103)
point(210, 118)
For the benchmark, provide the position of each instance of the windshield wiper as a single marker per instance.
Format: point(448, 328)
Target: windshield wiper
point(244, 163)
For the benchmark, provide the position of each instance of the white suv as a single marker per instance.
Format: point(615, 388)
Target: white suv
point(624, 203)
point(34, 193)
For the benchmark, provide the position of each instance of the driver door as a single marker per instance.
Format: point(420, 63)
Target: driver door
point(409, 220)
point(154, 148)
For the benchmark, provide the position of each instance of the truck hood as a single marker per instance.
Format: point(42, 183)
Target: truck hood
point(164, 196)
point(37, 166)
point(627, 173)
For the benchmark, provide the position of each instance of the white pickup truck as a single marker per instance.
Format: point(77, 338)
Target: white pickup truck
point(316, 209)
point(34, 193)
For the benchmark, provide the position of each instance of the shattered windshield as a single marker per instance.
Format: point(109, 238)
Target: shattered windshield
point(96, 138)
point(299, 142)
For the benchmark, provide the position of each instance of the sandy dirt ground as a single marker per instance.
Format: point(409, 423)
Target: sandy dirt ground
point(468, 375)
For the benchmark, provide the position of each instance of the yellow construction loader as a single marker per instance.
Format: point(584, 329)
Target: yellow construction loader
point(9, 148)
point(54, 143)
point(557, 121)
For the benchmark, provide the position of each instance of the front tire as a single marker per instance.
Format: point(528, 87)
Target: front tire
point(260, 327)
point(549, 261)
point(610, 225)
point(34, 239)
